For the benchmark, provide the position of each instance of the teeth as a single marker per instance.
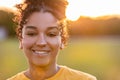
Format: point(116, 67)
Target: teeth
point(40, 52)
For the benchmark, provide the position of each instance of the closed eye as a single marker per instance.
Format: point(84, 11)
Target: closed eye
point(52, 34)
point(31, 34)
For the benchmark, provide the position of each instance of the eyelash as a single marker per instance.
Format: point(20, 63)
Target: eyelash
point(31, 34)
point(52, 34)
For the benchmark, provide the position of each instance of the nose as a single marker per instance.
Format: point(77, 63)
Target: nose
point(41, 41)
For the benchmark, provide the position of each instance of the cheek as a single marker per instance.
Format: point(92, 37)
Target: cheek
point(55, 43)
point(27, 43)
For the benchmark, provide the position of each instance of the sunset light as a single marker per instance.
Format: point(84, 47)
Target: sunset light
point(9, 3)
point(73, 10)
point(77, 8)
point(92, 8)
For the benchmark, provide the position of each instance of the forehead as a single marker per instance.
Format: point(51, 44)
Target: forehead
point(42, 19)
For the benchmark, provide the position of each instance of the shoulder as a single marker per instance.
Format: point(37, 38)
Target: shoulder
point(18, 76)
point(78, 75)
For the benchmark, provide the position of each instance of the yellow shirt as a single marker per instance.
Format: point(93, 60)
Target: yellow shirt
point(64, 73)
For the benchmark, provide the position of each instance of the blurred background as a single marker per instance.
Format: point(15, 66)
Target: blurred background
point(93, 46)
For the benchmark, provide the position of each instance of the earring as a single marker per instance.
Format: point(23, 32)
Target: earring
point(62, 46)
point(20, 46)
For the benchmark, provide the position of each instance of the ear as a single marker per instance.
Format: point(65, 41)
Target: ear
point(20, 45)
point(62, 46)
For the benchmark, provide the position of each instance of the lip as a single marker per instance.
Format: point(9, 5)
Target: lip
point(41, 52)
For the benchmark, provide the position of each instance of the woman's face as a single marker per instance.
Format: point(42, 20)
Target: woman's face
point(41, 39)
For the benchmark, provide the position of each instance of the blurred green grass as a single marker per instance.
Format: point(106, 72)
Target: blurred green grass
point(97, 56)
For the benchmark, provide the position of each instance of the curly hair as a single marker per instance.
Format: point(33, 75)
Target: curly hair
point(56, 7)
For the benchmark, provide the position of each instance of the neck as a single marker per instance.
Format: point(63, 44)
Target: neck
point(41, 73)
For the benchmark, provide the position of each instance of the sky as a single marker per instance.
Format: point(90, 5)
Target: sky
point(77, 8)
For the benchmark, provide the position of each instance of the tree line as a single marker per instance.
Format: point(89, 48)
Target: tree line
point(6, 21)
point(84, 26)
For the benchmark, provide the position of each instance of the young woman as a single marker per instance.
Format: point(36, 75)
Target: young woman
point(42, 34)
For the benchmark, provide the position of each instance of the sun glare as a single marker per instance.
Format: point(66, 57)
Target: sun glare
point(77, 8)
point(73, 12)
point(9, 3)
point(92, 8)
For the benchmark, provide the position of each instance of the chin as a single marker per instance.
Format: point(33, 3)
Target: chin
point(44, 63)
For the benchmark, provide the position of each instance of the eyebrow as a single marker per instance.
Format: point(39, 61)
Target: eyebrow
point(49, 28)
point(53, 27)
point(30, 27)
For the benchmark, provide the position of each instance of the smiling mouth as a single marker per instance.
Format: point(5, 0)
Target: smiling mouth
point(41, 53)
